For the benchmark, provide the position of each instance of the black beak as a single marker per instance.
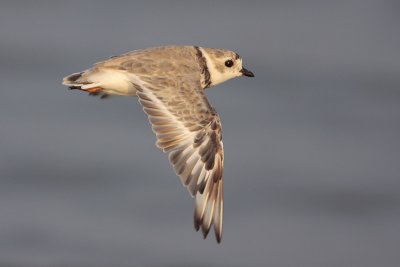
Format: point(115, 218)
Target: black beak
point(246, 72)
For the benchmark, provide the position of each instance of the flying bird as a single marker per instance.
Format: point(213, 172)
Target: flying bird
point(169, 82)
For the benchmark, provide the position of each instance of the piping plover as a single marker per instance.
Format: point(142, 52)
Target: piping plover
point(169, 82)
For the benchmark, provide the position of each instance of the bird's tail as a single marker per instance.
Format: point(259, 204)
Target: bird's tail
point(82, 81)
point(79, 80)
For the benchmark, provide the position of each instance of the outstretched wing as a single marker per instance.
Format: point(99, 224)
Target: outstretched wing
point(189, 129)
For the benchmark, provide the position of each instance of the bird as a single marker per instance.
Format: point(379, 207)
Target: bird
point(169, 82)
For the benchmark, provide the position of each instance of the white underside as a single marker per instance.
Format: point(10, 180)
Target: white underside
point(115, 82)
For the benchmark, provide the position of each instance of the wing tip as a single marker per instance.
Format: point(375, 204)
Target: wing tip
point(218, 236)
point(197, 222)
point(205, 231)
point(206, 217)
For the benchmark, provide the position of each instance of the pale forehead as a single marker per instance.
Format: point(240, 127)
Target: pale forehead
point(222, 53)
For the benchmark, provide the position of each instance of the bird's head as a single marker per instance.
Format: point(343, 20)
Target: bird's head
point(224, 65)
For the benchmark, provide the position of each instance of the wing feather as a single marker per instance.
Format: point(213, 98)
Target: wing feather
point(189, 129)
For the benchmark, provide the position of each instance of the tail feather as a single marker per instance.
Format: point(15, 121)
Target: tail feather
point(78, 81)
point(73, 77)
point(72, 81)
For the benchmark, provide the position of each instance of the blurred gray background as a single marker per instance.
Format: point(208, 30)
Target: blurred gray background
point(312, 143)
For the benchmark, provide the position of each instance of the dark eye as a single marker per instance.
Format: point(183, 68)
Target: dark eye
point(229, 63)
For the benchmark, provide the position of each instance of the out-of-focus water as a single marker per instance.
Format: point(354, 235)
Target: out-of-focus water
point(312, 143)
